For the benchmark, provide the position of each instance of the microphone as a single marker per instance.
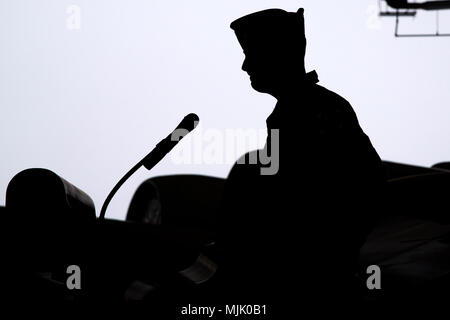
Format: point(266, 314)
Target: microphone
point(186, 125)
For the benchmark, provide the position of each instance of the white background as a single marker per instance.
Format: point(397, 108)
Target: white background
point(89, 103)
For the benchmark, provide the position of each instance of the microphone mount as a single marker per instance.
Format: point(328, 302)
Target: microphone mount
point(156, 155)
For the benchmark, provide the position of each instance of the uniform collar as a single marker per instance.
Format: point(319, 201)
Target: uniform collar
point(311, 77)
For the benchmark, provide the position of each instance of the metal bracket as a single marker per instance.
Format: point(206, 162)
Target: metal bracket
point(417, 35)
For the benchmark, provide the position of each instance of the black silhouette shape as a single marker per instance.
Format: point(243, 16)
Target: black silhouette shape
point(289, 233)
point(302, 227)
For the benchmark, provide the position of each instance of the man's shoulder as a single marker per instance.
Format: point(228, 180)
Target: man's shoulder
point(331, 99)
point(318, 108)
point(332, 108)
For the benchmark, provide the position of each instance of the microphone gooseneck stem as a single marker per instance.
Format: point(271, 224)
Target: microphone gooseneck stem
point(156, 155)
point(117, 187)
point(149, 161)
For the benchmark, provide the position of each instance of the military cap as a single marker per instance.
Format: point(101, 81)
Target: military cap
point(271, 25)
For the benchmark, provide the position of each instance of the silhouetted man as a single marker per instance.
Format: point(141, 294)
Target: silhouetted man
point(300, 228)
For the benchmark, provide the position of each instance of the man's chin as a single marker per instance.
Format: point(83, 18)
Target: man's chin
point(259, 87)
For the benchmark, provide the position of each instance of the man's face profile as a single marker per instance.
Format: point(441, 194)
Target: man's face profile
point(274, 45)
point(263, 64)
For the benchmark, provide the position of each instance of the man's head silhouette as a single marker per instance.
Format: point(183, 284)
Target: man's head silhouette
point(274, 45)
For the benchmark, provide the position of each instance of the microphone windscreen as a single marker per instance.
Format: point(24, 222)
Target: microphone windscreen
point(189, 122)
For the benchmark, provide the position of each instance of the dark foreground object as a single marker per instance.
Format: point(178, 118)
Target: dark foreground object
point(165, 256)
